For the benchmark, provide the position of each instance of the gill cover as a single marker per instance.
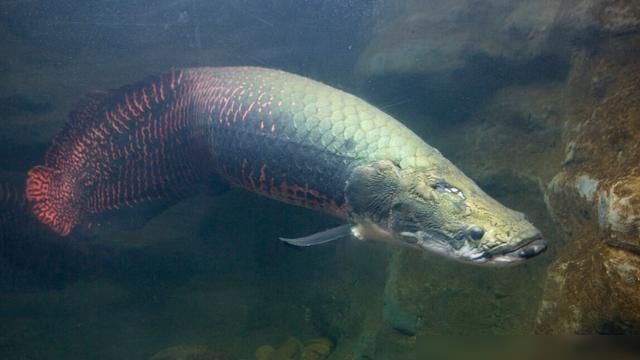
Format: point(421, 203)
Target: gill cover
point(371, 190)
point(390, 203)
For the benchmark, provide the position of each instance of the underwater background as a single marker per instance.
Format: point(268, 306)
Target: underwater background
point(537, 101)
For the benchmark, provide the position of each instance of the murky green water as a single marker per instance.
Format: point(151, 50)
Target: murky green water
point(210, 270)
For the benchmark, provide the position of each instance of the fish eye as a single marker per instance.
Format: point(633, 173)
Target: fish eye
point(440, 185)
point(445, 187)
point(476, 232)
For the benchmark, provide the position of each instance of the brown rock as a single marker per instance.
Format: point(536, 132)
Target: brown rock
point(592, 287)
point(591, 290)
point(619, 213)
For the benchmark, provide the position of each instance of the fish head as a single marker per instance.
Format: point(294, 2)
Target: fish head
point(440, 211)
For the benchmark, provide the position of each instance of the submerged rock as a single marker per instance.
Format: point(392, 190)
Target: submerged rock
point(591, 289)
point(426, 36)
point(187, 352)
point(594, 285)
point(420, 36)
point(264, 352)
point(457, 54)
point(294, 349)
point(291, 349)
point(619, 212)
point(400, 319)
point(317, 349)
point(541, 106)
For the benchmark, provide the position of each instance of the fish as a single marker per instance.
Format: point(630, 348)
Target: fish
point(278, 135)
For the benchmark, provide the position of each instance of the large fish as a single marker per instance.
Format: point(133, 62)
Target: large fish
point(279, 135)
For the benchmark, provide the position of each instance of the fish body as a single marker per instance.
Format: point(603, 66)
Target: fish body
point(279, 135)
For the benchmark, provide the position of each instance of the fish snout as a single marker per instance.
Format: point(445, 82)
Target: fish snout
point(534, 248)
point(532, 244)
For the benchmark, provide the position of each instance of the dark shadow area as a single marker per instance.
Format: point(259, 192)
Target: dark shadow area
point(619, 327)
point(20, 157)
point(451, 97)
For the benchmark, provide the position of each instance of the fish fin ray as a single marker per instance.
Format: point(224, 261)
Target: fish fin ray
point(54, 198)
point(321, 237)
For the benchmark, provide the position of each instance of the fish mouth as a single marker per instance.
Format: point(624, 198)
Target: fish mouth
point(531, 246)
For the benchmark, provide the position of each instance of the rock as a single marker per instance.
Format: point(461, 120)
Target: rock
point(187, 352)
point(526, 120)
point(565, 194)
point(332, 316)
point(291, 349)
point(586, 186)
point(591, 289)
point(317, 349)
point(619, 212)
point(572, 143)
point(620, 17)
point(264, 352)
point(438, 35)
point(399, 319)
point(399, 311)
point(497, 42)
point(598, 188)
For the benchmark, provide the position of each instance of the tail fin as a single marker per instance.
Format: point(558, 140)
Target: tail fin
point(54, 198)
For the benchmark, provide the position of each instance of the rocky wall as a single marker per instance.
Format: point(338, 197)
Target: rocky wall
point(541, 108)
point(593, 286)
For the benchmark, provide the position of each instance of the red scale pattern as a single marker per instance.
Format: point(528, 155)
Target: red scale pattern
point(230, 104)
point(152, 141)
point(295, 194)
point(120, 149)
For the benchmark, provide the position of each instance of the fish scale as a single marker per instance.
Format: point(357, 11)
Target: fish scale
point(274, 133)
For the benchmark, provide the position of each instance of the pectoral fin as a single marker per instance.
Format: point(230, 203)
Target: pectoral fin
point(321, 237)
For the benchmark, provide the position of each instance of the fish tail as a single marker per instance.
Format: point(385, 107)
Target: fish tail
point(54, 197)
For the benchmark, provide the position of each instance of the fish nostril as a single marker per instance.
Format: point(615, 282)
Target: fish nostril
point(476, 232)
